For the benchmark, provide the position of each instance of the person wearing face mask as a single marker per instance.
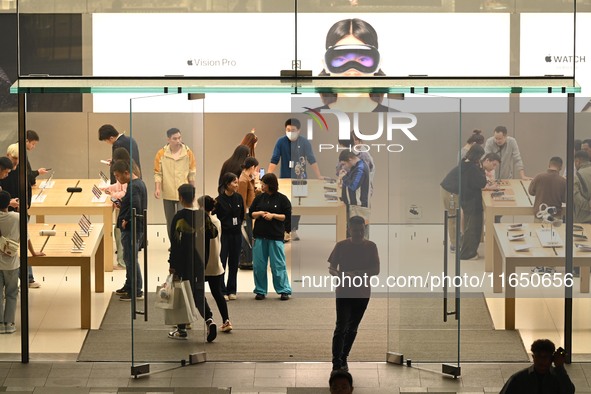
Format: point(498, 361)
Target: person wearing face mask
point(295, 153)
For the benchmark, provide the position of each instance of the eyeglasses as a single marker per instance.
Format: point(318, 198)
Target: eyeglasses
point(363, 58)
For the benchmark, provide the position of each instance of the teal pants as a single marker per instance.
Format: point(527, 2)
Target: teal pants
point(269, 250)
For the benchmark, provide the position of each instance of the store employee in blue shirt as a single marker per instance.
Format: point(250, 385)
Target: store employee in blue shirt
point(294, 152)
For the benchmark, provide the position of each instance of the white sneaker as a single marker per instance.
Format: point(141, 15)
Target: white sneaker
point(9, 328)
point(226, 327)
point(294, 235)
point(232, 297)
point(34, 285)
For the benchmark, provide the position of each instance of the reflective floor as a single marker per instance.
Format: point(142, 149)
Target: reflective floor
point(243, 378)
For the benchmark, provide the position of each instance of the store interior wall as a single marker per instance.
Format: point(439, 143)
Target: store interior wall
point(70, 146)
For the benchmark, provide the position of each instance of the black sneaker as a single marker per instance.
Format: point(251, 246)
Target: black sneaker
point(121, 291)
point(259, 297)
point(178, 334)
point(344, 366)
point(284, 297)
point(127, 296)
point(212, 330)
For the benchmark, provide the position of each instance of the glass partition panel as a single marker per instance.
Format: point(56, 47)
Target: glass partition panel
point(524, 273)
point(366, 153)
point(580, 295)
point(178, 231)
point(423, 307)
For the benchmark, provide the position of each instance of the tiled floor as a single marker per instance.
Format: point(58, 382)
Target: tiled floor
point(55, 337)
point(249, 378)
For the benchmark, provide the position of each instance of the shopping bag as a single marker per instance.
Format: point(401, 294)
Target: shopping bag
point(165, 294)
point(184, 310)
point(358, 210)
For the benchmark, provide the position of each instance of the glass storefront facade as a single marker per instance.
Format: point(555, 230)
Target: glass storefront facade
point(427, 74)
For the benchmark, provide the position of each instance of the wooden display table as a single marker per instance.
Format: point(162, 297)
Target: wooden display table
point(506, 259)
point(58, 250)
point(60, 202)
point(316, 204)
point(521, 205)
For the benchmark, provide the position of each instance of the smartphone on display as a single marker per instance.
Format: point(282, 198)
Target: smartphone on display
point(261, 173)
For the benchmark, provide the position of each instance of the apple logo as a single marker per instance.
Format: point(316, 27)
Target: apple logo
point(548, 59)
point(190, 62)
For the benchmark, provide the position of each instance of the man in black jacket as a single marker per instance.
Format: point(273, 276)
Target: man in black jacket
point(111, 136)
point(136, 197)
point(542, 377)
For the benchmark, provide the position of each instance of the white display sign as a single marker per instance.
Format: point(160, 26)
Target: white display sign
point(262, 44)
point(547, 48)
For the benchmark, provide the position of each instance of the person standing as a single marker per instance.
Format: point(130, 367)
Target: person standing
point(214, 271)
point(294, 152)
point(229, 209)
point(250, 140)
point(9, 265)
point(355, 186)
point(6, 167)
point(450, 191)
point(542, 377)
point(135, 197)
point(174, 165)
point(246, 188)
point(549, 187)
point(506, 147)
point(475, 138)
point(10, 184)
point(354, 260)
point(109, 134)
point(234, 162)
point(189, 250)
point(32, 141)
point(271, 211)
point(117, 191)
point(582, 188)
point(472, 181)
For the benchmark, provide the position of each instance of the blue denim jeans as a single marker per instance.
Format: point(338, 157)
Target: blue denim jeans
point(8, 295)
point(129, 256)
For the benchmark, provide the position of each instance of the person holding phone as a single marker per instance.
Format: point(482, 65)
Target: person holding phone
point(546, 375)
point(117, 191)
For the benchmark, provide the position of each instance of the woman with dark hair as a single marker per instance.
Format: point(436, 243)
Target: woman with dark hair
point(214, 271)
point(472, 181)
point(475, 138)
point(229, 209)
point(250, 140)
point(271, 211)
point(352, 50)
point(234, 163)
point(246, 188)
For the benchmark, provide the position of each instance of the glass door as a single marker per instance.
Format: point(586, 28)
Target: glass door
point(421, 228)
point(169, 227)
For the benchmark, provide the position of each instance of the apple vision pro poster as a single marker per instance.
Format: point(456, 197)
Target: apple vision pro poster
point(263, 44)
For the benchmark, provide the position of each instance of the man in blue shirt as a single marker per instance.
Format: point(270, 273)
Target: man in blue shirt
point(294, 152)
